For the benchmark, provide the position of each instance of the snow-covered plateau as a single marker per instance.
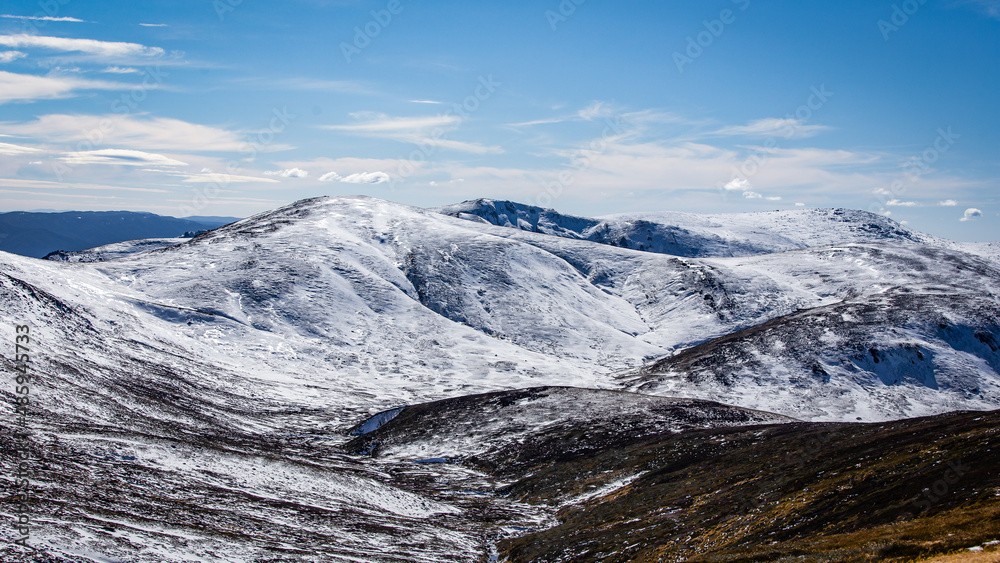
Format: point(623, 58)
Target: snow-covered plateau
point(190, 400)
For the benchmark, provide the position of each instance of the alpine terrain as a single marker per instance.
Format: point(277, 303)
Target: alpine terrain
point(350, 379)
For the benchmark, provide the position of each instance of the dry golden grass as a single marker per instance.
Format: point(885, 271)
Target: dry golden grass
point(988, 555)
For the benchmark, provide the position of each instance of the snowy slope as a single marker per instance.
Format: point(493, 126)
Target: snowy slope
point(988, 250)
point(488, 428)
point(904, 330)
point(696, 235)
point(114, 250)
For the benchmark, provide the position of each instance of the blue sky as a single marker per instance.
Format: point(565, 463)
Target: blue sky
point(231, 107)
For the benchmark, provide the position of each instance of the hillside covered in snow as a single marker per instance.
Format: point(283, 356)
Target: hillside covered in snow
point(266, 342)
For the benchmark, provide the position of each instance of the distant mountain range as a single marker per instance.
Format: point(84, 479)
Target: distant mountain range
point(38, 234)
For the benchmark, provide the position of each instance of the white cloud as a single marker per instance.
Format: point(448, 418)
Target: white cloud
point(422, 131)
point(948, 203)
point(381, 123)
point(797, 204)
point(424, 102)
point(539, 122)
point(288, 173)
point(900, 203)
point(752, 195)
point(8, 149)
point(366, 178)
point(594, 111)
point(971, 213)
point(357, 178)
point(29, 87)
point(153, 25)
point(773, 198)
point(43, 18)
point(11, 56)
point(47, 184)
point(473, 148)
point(773, 127)
point(602, 110)
point(104, 49)
point(133, 131)
point(121, 70)
point(223, 178)
point(737, 184)
point(121, 157)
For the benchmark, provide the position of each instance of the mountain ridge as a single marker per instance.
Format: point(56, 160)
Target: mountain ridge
point(39, 234)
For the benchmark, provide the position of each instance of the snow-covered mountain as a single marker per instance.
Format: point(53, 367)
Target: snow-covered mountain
point(696, 235)
point(114, 250)
point(374, 304)
point(261, 344)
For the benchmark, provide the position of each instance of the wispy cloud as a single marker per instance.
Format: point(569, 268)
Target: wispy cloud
point(121, 70)
point(122, 157)
point(310, 84)
point(223, 178)
point(424, 102)
point(47, 184)
point(153, 25)
point(25, 87)
point(381, 123)
point(133, 131)
point(542, 121)
point(423, 131)
point(104, 49)
point(8, 149)
point(900, 203)
point(772, 127)
point(989, 7)
point(43, 18)
point(948, 203)
point(595, 110)
point(11, 56)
